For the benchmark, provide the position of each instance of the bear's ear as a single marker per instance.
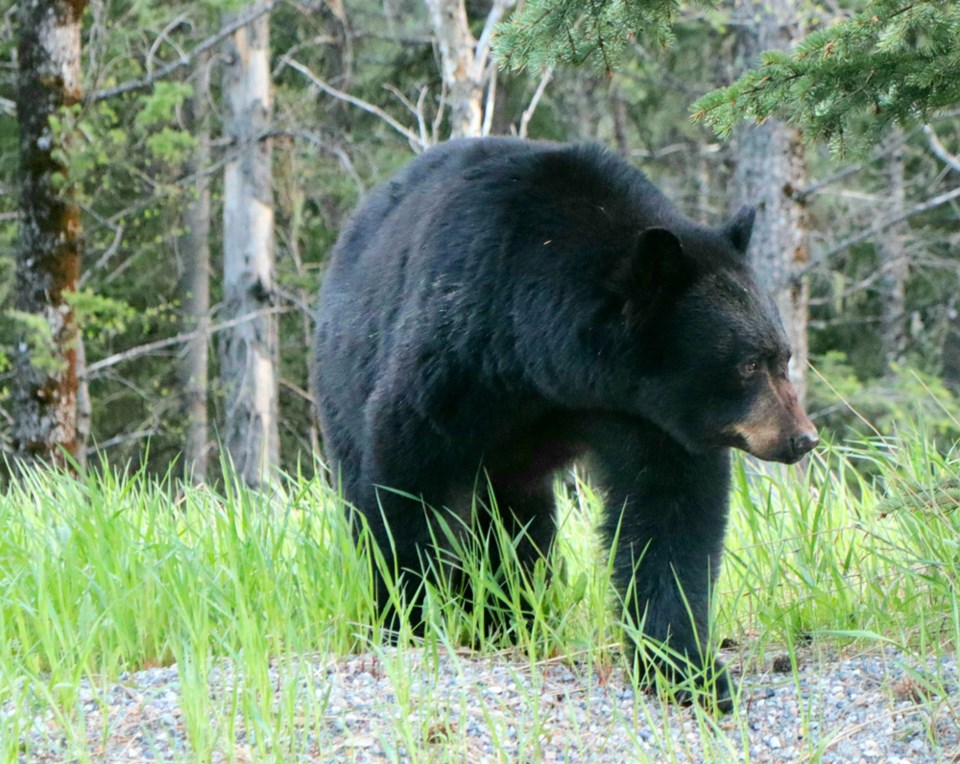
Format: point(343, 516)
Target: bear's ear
point(652, 276)
point(739, 229)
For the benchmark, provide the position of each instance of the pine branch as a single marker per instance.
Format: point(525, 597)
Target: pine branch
point(547, 33)
point(892, 63)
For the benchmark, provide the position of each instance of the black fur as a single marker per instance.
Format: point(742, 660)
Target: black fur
point(505, 307)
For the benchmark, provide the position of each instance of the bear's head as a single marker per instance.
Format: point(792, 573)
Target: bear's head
point(711, 351)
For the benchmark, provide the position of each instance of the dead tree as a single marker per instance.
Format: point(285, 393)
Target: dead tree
point(248, 352)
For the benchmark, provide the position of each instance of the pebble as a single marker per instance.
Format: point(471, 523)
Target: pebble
point(476, 708)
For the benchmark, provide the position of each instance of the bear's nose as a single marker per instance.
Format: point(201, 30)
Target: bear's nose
point(803, 443)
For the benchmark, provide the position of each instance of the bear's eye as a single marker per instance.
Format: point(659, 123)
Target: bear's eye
point(749, 368)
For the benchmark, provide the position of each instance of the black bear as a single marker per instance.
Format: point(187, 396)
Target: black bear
point(502, 308)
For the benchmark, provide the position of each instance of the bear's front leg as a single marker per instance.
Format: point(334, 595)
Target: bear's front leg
point(666, 511)
point(408, 476)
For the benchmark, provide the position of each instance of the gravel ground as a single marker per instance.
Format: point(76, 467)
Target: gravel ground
point(876, 707)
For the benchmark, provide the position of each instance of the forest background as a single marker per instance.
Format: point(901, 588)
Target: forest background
point(201, 157)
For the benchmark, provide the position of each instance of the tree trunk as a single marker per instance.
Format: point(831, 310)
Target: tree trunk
point(893, 261)
point(195, 281)
point(465, 64)
point(460, 80)
point(44, 390)
point(456, 43)
point(770, 170)
point(249, 350)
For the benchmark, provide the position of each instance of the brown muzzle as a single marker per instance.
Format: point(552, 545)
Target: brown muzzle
point(776, 427)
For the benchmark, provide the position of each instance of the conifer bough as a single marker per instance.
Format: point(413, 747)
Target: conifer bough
point(895, 62)
point(545, 33)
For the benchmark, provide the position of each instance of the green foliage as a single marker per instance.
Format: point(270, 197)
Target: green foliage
point(840, 556)
point(850, 407)
point(893, 62)
point(100, 316)
point(160, 104)
point(170, 145)
point(34, 330)
point(167, 144)
point(110, 572)
point(86, 140)
point(70, 151)
point(548, 32)
point(126, 159)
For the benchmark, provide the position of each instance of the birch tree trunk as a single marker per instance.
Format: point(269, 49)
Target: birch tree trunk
point(464, 89)
point(465, 64)
point(195, 282)
point(249, 350)
point(44, 389)
point(770, 171)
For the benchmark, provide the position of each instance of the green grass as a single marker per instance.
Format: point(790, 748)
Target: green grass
point(110, 573)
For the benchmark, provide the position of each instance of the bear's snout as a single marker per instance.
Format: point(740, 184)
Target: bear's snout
point(803, 443)
point(776, 428)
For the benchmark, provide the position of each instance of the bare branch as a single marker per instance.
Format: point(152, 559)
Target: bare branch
point(938, 148)
point(884, 150)
point(298, 391)
point(421, 115)
point(415, 108)
point(164, 36)
point(482, 50)
point(537, 95)
point(110, 251)
point(314, 42)
point(187, 59)
point(332, 148)
point(490, 103)
point(358, 102)
point(874, 230)
point(803, 194)
point(117, 440)
point(92, 371)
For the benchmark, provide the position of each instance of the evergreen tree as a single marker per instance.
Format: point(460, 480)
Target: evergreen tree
point(544, 33)
point(893, 62)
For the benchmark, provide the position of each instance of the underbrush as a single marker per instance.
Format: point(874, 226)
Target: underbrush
point(108, 573)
